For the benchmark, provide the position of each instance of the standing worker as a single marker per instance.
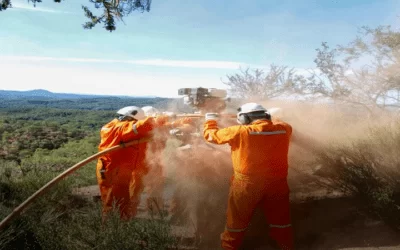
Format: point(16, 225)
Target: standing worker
point(259, 151)
point(120, 173)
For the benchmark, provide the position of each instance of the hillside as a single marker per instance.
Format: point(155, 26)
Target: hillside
point(42, 93)
point(40, 98)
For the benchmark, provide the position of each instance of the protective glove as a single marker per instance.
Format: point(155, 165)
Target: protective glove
point(211, 116)
point(187, 120)
point(161, 120)
point(174, 131)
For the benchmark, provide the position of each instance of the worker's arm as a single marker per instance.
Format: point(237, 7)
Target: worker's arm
point(215, 135)
point(179, 123)
point(305, 141)
point(137, 129)
point(288, 128)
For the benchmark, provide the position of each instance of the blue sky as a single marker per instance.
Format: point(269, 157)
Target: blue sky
point(179, 43)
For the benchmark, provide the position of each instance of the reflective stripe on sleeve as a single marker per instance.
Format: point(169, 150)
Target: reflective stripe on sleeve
point(268, 133)
point(135, 129)
point(280, 226)
point(235, 230)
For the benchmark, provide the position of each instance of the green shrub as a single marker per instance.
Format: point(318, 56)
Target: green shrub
point(369, 169)
point(58, 220)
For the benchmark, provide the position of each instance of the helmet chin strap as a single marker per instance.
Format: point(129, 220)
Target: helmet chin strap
point(243, 119)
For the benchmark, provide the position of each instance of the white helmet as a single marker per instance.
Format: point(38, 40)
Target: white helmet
point(244, 111)
point(150, 111)
point(132, 111)
point(250, 107)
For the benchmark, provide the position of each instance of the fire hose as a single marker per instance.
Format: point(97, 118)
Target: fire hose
point(202, 115)
point(17, 211)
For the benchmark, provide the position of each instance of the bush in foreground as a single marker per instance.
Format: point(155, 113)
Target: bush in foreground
point(59, 220)
point(369, 169)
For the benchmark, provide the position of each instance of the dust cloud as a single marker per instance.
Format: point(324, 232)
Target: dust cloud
point(197, 173)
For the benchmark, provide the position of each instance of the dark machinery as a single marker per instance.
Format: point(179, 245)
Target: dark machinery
point(205, 99)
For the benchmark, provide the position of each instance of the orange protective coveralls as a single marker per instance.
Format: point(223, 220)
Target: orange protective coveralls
point(155, 178)
point(259, 153)
point(120, 173)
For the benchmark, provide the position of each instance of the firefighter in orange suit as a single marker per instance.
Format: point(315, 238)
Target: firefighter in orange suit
point(259, 151)
point(120, 173)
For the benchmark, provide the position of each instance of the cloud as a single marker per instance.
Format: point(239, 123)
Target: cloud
point(93, 80)
point(189, 64)
point(146, 62)
point(30, 7)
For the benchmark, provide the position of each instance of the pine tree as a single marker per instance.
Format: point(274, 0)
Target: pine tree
point(109, 11)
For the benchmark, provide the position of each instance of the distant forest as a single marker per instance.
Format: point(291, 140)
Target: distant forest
point(28, 123)
point(98, 103)
point(41, 135)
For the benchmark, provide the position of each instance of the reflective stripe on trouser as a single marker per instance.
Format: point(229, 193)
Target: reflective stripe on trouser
point(244, 197)
point(235, 230)
point(120, 188)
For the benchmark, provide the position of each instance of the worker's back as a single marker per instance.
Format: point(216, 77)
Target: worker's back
point(260, 160)
point(261, 149)
point(115, 133)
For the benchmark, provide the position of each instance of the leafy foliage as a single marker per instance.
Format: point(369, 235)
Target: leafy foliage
point(94, 103)
point(20, 137)
point(367, 169)
point(364, 72)
point(4, 4)
point(30, 124)
point(47, 141)
point(277, 81)
point(61, 221)
point(112, 11)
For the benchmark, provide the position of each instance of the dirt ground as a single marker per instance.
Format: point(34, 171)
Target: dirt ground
point(328, 223)
point(335, 223)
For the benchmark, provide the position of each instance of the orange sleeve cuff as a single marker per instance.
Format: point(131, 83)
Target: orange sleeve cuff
point(211, 124)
